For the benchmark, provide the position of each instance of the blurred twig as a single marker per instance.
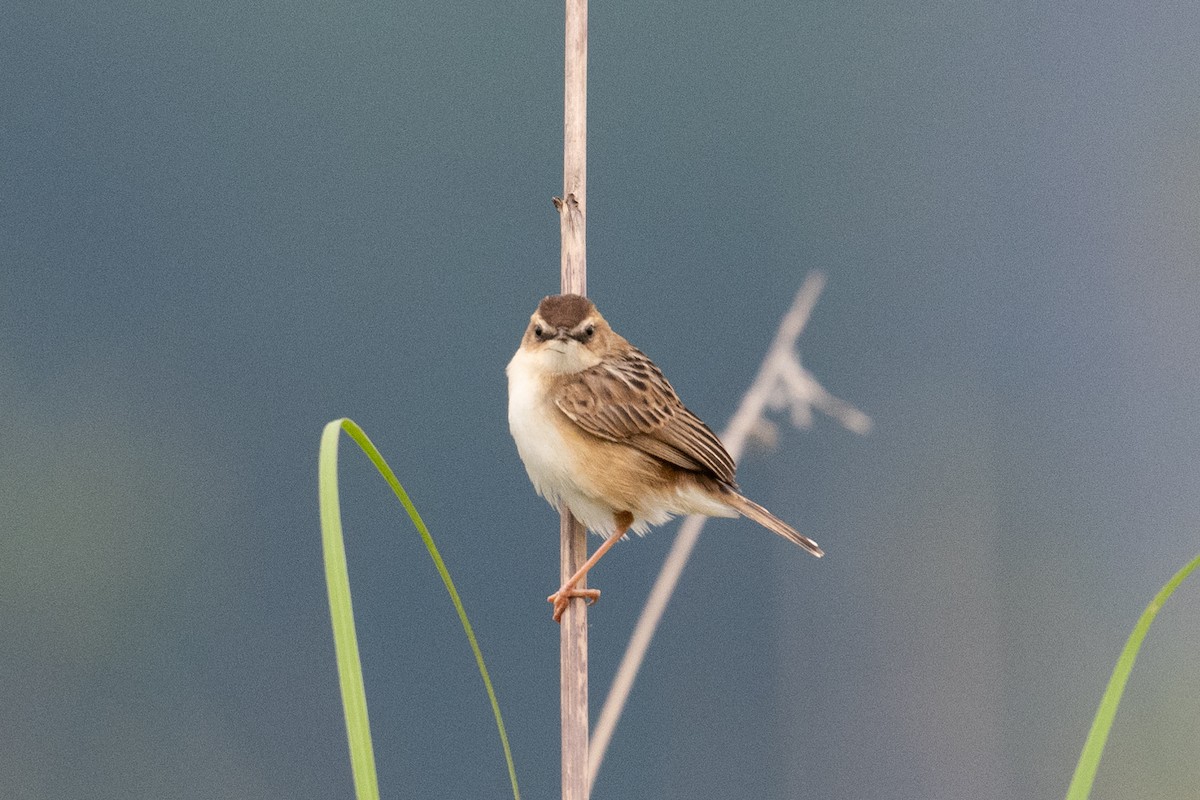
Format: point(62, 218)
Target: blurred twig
point(782, 382)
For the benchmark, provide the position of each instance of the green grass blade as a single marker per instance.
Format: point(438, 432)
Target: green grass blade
point(345, 639)
point(354, 700)
point(1093, 748)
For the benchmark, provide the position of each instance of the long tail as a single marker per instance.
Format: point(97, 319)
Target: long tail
point(753, 511)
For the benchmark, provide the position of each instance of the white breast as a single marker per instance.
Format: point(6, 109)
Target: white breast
point(548, 459)
point(538, 441)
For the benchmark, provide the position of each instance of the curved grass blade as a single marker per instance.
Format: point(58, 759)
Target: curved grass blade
point(345, 640)
point(354, 699)
point(1093, 748)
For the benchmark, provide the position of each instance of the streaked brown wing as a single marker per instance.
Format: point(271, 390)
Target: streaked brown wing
point(628, 400)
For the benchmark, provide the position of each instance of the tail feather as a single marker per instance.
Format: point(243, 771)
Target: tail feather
point(753, 511)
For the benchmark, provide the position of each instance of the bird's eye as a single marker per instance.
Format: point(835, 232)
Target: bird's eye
point(589, 330)
point(537, 331)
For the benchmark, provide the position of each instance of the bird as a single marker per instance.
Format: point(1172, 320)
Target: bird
point(602, 432)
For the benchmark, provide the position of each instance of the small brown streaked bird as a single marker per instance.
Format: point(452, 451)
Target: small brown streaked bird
point(602, 432)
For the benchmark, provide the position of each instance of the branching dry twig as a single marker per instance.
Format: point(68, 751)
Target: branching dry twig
point(781, 383)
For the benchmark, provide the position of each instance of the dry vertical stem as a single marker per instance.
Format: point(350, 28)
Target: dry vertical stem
point(573, 669)
point(573, 642)
point(574, 245)
point(573, 666)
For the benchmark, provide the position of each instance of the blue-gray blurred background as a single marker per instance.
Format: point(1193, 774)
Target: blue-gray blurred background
point(224, 224)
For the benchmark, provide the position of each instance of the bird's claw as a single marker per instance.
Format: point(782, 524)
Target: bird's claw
point(562, 598)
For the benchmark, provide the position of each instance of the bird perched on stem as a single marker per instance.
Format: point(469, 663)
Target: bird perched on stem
point(602, 432)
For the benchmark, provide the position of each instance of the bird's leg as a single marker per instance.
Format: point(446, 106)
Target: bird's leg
point(563, 596)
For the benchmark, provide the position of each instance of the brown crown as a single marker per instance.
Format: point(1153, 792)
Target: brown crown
point(564, 310)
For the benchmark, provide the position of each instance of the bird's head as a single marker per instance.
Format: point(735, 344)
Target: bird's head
point(567, 334)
